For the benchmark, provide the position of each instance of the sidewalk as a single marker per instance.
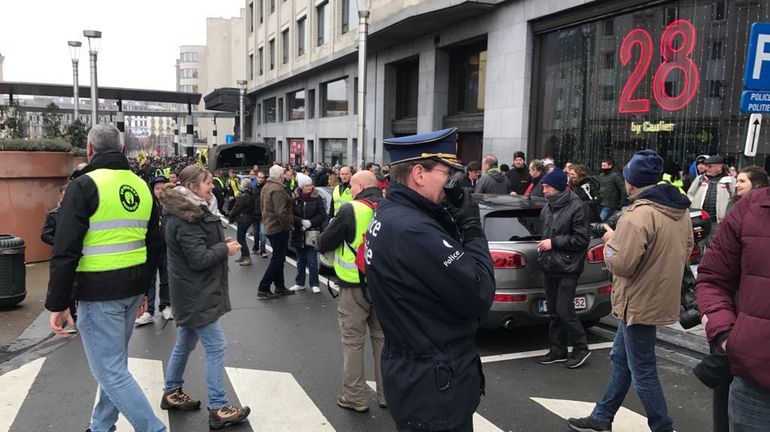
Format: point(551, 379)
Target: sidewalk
point(14, 321)
point(693, 339)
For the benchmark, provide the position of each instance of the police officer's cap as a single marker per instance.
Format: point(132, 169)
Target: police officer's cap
point(440, 146)
point(159, 179)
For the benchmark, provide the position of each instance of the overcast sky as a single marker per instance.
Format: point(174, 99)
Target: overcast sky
point(140, 38)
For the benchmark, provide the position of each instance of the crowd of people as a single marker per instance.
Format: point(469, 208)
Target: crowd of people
point(165, 223)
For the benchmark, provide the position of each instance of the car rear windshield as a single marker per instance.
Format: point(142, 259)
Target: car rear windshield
point(513, 225)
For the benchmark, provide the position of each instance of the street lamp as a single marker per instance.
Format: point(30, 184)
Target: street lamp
point(363, 32)
point(242, 87)
point(75, 56)
point(94, 38)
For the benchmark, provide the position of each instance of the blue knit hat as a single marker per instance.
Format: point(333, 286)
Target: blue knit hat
point(556, 179)
point(644, 169)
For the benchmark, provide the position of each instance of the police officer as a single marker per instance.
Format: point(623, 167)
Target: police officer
point(106, 242)
point(431, 279)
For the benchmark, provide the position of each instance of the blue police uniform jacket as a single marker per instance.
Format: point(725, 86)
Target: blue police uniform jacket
point(429, 289)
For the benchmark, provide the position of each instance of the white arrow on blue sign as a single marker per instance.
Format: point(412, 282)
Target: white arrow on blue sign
point(756, 74)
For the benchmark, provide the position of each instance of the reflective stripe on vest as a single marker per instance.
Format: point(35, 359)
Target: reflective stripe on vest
point(117, 230)
point(344, 257)
point(341, 199)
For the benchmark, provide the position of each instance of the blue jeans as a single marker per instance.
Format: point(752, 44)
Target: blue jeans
point(307, 257)
point(633, 361)
point(213, 340)
point(106, 327)
point(605, 213)
point(748, 407)
point(259, 236)
point(240, 235)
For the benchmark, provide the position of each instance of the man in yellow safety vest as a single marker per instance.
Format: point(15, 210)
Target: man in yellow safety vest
point(341, 193)
point(344, 236)
point(106, 242)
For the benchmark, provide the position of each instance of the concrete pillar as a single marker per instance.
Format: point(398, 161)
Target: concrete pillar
point(433, 96)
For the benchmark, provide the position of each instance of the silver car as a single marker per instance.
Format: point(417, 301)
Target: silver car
point(512, 226)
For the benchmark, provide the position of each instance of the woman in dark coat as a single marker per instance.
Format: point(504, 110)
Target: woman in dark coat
point(242, 214)
point(197, 252)
point(309, 214)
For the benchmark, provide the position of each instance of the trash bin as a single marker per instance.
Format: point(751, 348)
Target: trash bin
point(13, 273)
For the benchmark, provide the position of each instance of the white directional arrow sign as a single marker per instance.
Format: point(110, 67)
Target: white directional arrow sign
point(752, 138)
point(625, 420)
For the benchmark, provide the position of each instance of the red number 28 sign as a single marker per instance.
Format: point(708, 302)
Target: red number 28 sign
point(673, 58)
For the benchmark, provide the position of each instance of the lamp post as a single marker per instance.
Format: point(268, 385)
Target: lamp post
point(75, 56)
point(363, 33)
point(94, 38)
point(242, 90)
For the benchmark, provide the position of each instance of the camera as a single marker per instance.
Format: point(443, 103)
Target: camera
point(612, 222)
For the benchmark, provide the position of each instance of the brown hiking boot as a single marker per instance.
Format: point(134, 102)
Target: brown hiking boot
point(227, 416)
point(176, 399)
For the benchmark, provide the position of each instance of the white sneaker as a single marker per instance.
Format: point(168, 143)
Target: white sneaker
point(297, 288)
point(145, 319)
point(166, 314)
point(316, 290)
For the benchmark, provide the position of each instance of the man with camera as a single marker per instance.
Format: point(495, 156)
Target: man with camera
point(431, 278)
point(646, 255)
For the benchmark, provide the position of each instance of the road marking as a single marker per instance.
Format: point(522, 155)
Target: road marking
point(480, 424)
point(625, 420)
point(149, 375)
point(16, 385)
point(536, 353)
point(278, 403)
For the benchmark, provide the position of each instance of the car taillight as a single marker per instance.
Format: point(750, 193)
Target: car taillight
point(595, 255)
point(604, 290)
point(508, 260)
point(704, 215)
point(510, 298)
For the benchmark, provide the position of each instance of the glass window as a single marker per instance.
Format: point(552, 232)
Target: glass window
point(348, 15)
point(311, 104)
point(334, 98)
point(609, 27)
point(407, 87)
point(271, 53)
point(261, 11)
point(296, 103)
point(251, 66)
point(467, 78)
point(272, 6)
point(259, 113)
point(301, 36)
point(285, 46)
point(189, 57)
point(280, 110)
point(513, 225)
point(673, 88)
point(322, 24)
point(251, 17)
point(261, 60)
point(269, 110)
point(609, 60)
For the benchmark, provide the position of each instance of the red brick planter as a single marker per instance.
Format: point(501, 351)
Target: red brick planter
point(29, 188)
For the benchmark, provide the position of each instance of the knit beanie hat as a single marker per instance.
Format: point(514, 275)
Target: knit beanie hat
point(644, 169)
point(303, 180)
point(556, 179)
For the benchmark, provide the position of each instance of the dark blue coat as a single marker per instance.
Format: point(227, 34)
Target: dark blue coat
point(429, 289)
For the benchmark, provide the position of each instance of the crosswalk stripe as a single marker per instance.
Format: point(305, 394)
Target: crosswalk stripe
point(149, 375)
point(480, 424)
point(625, 420)
point(535, 353)
point(277, 401)
point(16, 385)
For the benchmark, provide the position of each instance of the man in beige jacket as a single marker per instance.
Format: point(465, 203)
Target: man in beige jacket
point(646, 256)
point(278, 219)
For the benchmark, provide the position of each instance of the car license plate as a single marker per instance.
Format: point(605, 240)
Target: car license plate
point(580, 304)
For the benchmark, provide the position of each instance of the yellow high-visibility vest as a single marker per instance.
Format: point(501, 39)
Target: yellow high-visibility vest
point(344, 257)
point(117, 230)
point(340, 199)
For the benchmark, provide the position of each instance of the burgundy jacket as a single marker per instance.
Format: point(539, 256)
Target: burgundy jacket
point(733, 287)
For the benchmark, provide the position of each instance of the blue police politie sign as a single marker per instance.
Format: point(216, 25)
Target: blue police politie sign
point(756, 76)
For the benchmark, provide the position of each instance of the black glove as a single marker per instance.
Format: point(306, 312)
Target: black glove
point(467, 217)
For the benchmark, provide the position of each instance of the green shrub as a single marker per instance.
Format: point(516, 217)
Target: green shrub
point(41, 144)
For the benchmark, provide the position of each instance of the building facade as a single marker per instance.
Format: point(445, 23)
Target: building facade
point(573, 79)
point(220, 63)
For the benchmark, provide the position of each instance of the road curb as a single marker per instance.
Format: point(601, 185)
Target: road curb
point(35, 334)
point(670, 336)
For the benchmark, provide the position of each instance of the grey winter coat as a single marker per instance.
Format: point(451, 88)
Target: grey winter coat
point(197, 261)
point(612, 189)
point(494, 183)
